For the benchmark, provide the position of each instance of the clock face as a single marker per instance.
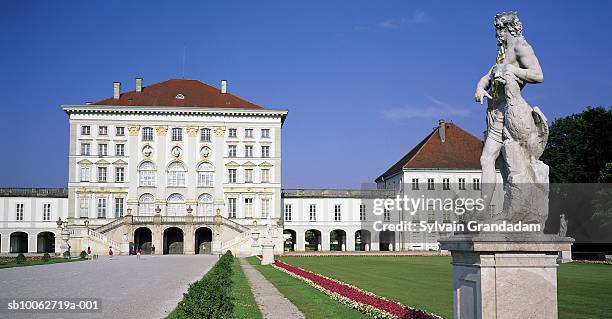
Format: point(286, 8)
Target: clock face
point(147, 150)
point(176, 151)
point(205, 151)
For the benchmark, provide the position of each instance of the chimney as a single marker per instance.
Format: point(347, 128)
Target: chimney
point(223, 86)
point(116, 90)
point(138, 85)
point(442, 130)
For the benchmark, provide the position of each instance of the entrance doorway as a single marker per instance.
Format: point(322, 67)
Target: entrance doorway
point(203, 241)
point(173, 241)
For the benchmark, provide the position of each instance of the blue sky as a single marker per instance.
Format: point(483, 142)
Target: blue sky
point(364, 81)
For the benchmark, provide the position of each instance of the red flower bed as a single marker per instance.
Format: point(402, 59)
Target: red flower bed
point(391, 307)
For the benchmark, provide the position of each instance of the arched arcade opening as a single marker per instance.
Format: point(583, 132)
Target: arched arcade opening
point(363, 240)
point(143, 238)
point(290, 239)
point(173, 241)
point(313, 240)
point(337, 240)
point(203, 240)
point(18, 242)
point(45, 242)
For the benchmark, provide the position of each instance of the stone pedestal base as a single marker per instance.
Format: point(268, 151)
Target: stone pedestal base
point(267, 248)
point(505, 276)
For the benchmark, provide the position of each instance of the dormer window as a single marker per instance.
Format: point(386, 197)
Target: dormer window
point(179, 96)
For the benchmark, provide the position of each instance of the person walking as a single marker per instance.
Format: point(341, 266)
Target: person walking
point(89, 253)
point(110, 252)
point(138, 250)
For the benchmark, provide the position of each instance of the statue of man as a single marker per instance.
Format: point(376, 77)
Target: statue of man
point(517, 58)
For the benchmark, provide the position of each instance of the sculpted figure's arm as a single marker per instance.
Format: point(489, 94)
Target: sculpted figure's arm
point(530, 70)
point(482, 87)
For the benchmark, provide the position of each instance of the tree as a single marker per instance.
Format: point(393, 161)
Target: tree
point(579, 154)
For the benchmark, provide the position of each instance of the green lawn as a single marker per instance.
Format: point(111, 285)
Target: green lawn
point(30, 262)
point(426, 282)
point(244, 302)
point(311, 302)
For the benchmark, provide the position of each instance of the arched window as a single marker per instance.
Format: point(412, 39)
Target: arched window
point(146, 172)
point(176, 205)
point(205, 205)
point(176, 174)
point(146, 205)
point(205, 175)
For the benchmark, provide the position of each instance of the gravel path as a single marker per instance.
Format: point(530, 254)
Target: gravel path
point(129, 288)
point(271, 302)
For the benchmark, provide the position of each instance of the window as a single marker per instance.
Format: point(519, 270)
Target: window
point(146, 172)
point(147, 134)
point(386, 215)
point(119, 149)
point(446, 216)
point(445, 184)
point(84, 174)
point(119, 207)
point(231, 212)
point(430, 184)
point(415, 184)
point(177, 134)
point(312, 216)
point(476, 183)
point(120, 131)
point(146, 205)
point(85, 149)
point(431, 214)
point(176, 205)
point(103, 130)
point(85, 130)
point(288, 212)
point(231, 132)
point(101, 207)
point(176, 174)
point(265, 207)
point(362, 212)
point(231, 151)
point(462, 183)
point(19, 212)
point(205, 175)
point(205, 205)
point(265, 151)
point(248, 151)
point(84, 207)
point(231, 175)
point(102, 174)
point(46, 212)
point(248, 207)
point(265, 175)
point(337, 212)
point(248, 133)
point(119, 174)
point(205, 135)
point(265, 133)
point(248, 175)
point(102, 149)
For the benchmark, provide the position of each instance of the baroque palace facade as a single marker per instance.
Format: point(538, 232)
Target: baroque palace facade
point(183, 167)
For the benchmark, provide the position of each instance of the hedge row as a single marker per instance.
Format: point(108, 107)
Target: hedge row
point(210, 297)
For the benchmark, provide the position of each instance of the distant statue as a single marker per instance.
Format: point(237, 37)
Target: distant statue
point(563, 226)
point(269, 228)
point(514, 129)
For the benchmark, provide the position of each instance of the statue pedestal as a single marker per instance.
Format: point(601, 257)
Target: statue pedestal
point(267, 248)
point(499, 276)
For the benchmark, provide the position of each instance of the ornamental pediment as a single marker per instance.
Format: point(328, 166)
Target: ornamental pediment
point(265, 164)
point(248, 164)
point(232, 164)
point(102, 162)
point(84, 162)
point(120, 162)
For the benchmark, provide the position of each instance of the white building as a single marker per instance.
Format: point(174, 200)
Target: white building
point(184, 167)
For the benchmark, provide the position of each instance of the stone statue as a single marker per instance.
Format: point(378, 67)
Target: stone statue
point(514, 129)
point(562, 226)
point(269, 228)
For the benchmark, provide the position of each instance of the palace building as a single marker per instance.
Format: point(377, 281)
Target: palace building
point(184, 167)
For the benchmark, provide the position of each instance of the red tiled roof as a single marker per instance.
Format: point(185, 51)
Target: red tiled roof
point(460, 150)
point(195, 92)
